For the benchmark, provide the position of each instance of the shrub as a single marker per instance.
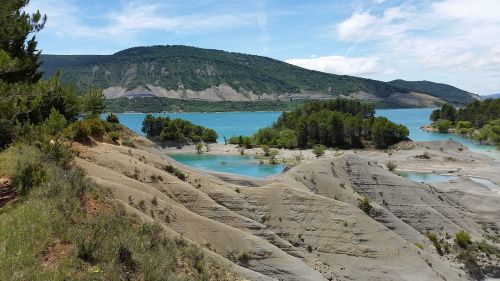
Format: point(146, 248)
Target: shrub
point(266, 150)
point(174, 171)
point(462, 239)
point(298, 157)
point(364, 205)
point(435, 242)
point(391, 166)
point(420, 246)
point(443, 125)
point(55, 123)
point(199, 148)
point(319, 150)
point(266, 136)
point(125, 258)
point(113, 118)
point(272, 156)
point(114, 136)
point(244, 258)
point(85, 250)
point(471, 266)
point(30, 175)
point(385, 133)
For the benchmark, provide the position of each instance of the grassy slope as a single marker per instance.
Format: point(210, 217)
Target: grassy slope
point(67, 228)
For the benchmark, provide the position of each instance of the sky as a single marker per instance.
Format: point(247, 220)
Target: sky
point(449, 41)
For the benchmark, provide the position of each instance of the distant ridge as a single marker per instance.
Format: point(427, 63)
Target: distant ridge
point(449, 93)
point(493, 96)
point(191, 73)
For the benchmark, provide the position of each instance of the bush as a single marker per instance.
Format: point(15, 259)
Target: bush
point(364, 205)
point(287, 139)
point(385, 133)
point(470, 261)
point(114, 136)
point(55, 123)
point(113, 118)
point(266, 150)
point(176, 172)
point(391, 166)
point(462, 239)
point(199, 148)
point(319, 150)
point(30, 175)
point(435, 242)
point(82, 130)
point(443, 125)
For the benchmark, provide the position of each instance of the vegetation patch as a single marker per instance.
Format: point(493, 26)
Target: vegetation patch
point(176, 130)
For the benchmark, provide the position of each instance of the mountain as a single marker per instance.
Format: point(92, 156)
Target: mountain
point(202, 74)
point(449, 93)
point(493, 96)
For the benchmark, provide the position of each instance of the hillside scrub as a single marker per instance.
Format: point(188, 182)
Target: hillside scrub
point(68, 240)
point(56, 224)
point(177, 130)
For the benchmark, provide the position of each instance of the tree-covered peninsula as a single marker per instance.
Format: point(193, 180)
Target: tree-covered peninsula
point(479, 120)
point(176, 131)
point(340, 123)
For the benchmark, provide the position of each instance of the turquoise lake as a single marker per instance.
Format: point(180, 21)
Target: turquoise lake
point(235, 164)
point(228, 124)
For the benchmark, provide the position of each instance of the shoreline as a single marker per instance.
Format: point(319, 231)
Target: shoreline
point(447, 158)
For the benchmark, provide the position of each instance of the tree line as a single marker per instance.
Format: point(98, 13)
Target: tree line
point(339, 123)
point(179, 131)
point(477, 119)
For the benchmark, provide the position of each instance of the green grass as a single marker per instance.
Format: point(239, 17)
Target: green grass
point(106, 245)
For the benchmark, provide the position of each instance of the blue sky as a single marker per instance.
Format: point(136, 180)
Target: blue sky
point(449, 41)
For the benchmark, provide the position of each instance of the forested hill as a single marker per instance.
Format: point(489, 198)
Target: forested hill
point(449, 93)
point(193, 73)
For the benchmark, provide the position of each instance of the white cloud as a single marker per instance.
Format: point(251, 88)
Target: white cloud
point(450, 36)
point(132, 18)
point(360, 66)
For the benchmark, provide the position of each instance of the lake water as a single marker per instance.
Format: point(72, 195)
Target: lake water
point(425, 177)
point(228, 124)
point(235, 164)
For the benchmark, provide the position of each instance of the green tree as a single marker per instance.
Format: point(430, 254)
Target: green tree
point(93, 102)
point(435, 115)
point(199, 148)
point(448, 112)
point(385, 133)
point(113, 118)
point(287, 139)
point(266, 150)
point(18, 45)
point(443, 125)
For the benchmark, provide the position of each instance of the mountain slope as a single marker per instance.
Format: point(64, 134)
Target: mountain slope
point(493, 96)
point(449, 93)
point(194, 73)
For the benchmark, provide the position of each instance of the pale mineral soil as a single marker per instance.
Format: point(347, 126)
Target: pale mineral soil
point(305, 224)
